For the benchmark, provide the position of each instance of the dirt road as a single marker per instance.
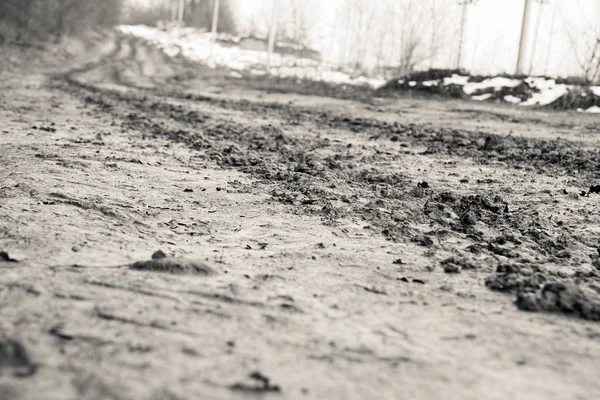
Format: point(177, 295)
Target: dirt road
point(339, 249)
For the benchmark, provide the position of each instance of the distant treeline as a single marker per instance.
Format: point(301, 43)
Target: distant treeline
point(197, 13)
point(24, 21)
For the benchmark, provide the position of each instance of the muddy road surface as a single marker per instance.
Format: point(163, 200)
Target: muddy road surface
point(174, 232)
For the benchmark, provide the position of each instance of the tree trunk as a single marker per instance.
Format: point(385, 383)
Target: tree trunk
point(181, 11)
point(535, 36)
point(215, 17)
point(461, 37)
point(549, 48)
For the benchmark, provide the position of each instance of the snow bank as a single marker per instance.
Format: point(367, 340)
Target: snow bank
point(482, 97)
point(528, 91)
point(497, 83)
point(512, 99)
point(200, 47)
point(547, 96)
point(455, 79)
point(592, 109)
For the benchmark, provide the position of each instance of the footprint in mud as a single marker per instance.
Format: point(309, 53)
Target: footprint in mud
point(172, 265)
point(14, 360)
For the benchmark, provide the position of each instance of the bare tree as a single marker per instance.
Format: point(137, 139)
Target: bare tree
point(44, 20)
point(585, 44)
point(409, 47)
point(272, 33)
point(536, 33)
point(463, 23)
point(550, 40)
point(359, 17)
point(434, 31)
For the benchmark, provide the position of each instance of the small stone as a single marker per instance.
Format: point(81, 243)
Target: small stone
point(527, 301)
point(5, 257)
point(158, 255)
point(175, 266)
point(451, 268)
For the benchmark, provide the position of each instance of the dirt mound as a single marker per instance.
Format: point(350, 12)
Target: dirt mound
point(566, 298)
point(577, 98)
point(15, 360)
point(473, 208)
point(577, 94)
point(512, 277)
point(522, 92)
point(172, 265)
point(398, 86)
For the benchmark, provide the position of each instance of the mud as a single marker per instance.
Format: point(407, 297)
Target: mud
point(173, 265)
point(14, 359)
point(329, 241)
point(564, 298)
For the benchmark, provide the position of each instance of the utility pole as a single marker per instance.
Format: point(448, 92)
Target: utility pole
point(174, 5)
point(215, 22)
point(272, 35)
point(215, 18)
point(463, 22)
point(524, 37)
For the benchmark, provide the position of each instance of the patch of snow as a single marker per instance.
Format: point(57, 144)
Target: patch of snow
point(457, 80)
point(592, 109)
point(430, 83)
point(201, 47)
point(236, 75)
point(401, 81)
point(540, 83)
point(412, 83)
point(512, 99)
point(497, 83)
point(547, 96)
point(595, 90)
point(482, 97)
point(377, 82)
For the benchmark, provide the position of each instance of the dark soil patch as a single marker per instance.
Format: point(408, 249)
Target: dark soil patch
point(567, 298)
point(171, 265)
point(15, 360)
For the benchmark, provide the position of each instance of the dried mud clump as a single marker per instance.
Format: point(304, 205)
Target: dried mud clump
point(510, 277)
point(173, 265)
point(4, 257)
point(567, 298)
point(14, 359)
point(260, 384)
point(474, 208)
point(454, 265)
